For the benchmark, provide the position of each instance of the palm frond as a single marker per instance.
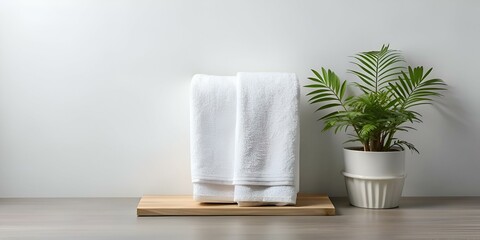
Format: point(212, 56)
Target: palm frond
point(377, 68)
point(329, 91)
point(402, 144)
point(366, 130)
point(413, 88)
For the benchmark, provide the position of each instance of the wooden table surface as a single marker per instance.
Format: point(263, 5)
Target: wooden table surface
point(115, 218)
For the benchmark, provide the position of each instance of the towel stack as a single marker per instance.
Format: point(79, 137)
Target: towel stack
point(245, 138)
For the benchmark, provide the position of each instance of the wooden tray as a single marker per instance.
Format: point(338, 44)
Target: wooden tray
point(307, 205)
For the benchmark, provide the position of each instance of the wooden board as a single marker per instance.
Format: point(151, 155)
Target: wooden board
point(307, 205)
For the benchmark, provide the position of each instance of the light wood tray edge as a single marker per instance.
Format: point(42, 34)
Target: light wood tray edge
point(307, 205)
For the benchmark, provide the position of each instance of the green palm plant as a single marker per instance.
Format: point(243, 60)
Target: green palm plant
point(389, 94)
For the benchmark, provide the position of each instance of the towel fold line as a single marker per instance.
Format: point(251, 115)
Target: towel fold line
point(227, 182)
point(264, 183)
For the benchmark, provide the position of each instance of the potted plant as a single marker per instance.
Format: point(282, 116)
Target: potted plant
point(388, 94)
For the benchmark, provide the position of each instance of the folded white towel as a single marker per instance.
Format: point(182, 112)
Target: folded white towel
point(213, 193)
point(267, 138)
point(212, 136)
point(251, 195)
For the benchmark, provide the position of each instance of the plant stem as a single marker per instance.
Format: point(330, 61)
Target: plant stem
point(382, 141)
point(376, 75)
point(389, 139)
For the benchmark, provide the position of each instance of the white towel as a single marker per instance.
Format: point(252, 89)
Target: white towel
point(267, 138)
point(212, 136)
point(251, 195)
point(213, 193)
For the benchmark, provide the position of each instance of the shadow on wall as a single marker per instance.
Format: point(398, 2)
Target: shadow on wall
point(444, 166)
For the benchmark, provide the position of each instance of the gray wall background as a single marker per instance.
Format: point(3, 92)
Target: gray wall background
point(94, 94)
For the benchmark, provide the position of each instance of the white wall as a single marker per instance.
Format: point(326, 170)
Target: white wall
point(94, 94)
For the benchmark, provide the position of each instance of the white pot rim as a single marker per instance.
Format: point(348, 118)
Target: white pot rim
point(346, 174)
point(356, 149)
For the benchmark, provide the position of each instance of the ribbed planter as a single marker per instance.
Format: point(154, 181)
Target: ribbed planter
point(374, 179)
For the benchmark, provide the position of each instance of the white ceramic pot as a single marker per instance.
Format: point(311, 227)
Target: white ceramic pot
point(374, 179)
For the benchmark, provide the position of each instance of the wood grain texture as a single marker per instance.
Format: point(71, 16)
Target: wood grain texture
point(116, 219)
point(307, 205)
